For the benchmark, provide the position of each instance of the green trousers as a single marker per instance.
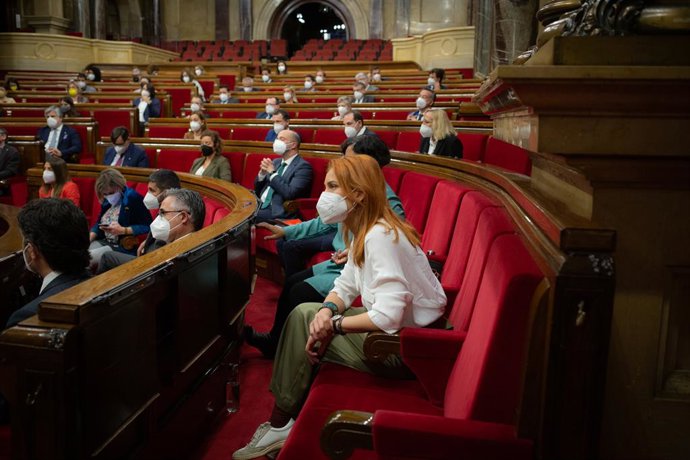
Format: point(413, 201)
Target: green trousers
point(292, 372)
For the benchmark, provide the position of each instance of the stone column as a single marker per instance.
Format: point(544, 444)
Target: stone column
point(246, 19)
point(222, 20)
point(402, 22)
point(376, 23)
point(82, 17)
point(48, 18)
point(98, 24)
point(157, 31)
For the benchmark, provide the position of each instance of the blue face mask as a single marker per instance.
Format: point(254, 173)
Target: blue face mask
point(114, 198)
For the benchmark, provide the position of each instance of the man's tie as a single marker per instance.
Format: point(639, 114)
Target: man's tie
point(52, 138)
point(269, 196)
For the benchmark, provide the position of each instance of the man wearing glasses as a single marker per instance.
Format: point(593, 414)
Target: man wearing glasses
point(181, 212)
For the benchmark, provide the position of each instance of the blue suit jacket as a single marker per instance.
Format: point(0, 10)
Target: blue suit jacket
point(271, 135)
point(133, 214)
point(263, 116)
point(152, 110)
point(133, 156)
point(295, 182)
point(69, 143)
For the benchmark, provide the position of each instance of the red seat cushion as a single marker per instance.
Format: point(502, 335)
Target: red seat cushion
point(473, 146)
point(507, 156)
point(408, 141)
point(416, 192)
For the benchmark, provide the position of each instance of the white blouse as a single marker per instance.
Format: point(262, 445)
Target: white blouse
point(396, 283)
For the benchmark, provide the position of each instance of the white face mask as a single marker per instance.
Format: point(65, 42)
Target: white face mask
point(421, 103)
point(319, 79)
point(119, 149)
point(270, 109)
point(278, 127)
point(26, 261)
point(160, 228)
point(287, 96)
point(186, 79)
point(247, 89)
point(350, 131)
point(358, 95)
point(150, 201)
point(48, 177)
point(332, 208)
point(265, 78)
point(81, 84)
point(376, 77)
point(145, 94)
point(281, 68)
point(308, 84)
point(194, 125)
point(279, 147)
point(425, 130)
point(431, 81)
point(198, 72)
point(113, 198)
point(52, 122)
point(91, 77)
point(342, 110)
point(224, 97)
point(195, 107)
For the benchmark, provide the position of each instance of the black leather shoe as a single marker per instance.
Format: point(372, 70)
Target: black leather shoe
point(263, 341)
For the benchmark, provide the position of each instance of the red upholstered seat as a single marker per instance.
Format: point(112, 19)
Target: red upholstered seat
point(393, 177)
point(248, 133)
point(391, 114)
point(211, 207)
point(177, 160)
point(314, 114)
point(390, 138)
point(220, 213)
point(416, 192)
point(87, 195)
point(408, 141)
point(305, 134)
point(252, 165)
point(236, 160)
point(329, 136)
point(473, 145)
point(507, 156)
point(110, 119)
point(441, 220)
point(167, 132)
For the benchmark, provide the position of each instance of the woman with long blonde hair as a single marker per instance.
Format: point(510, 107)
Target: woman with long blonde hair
point(386, 267)
point(438, 135)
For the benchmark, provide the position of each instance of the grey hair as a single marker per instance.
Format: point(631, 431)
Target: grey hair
point(53, 108)
point(191, 200)
point(3, 131)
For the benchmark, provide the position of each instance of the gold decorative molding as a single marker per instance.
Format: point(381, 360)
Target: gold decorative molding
point(452, 47)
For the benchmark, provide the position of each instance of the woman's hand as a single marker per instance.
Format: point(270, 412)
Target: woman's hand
point(115, 229)
point(340, 257)
point(140, 249)
point(321, 326)
point(276, 230)
point(317, 348)
point(92, 236)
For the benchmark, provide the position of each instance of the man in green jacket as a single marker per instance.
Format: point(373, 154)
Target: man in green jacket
point(314, 283)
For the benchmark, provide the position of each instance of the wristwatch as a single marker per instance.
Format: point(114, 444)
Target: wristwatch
point(331, 306)
point(337, 322)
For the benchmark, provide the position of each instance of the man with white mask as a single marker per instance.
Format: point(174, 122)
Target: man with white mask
point(360, 93)
point(181, 213)
point(281, 121)
point(272, 106)
point(59, 139)
point(424, 102)
point(354, 125)
point(286, 178)
point(123, 152)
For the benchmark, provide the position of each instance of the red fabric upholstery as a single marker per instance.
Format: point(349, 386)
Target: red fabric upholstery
point(416, 192)
point(329, 136)
point(408, 141)
point(177, 160)
point(263, 243)
point(87, 196)
point(393, 177)
point(248, 134)
point(508, 156)
point(473, 146)
point(167, 132)
point(391, 114)
point(19, 192)
point(313, 114)
point(220, 213)
point(390, 138)
point(236, 160)
point(319, 256)
point(442, 215)
point(305, 134)
point(111, 119)
point(319, 167)
point(211, 207)
point(252, 165)
point(178, 98)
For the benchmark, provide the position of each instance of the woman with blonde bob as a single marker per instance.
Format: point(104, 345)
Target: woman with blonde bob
point(438, 135)
point(385, 266)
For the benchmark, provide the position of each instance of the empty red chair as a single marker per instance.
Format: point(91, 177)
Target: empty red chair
point(329, 136)
point(236, 160)
point(248, 133)
point(408, 141)
point(167, 132)
point(211, 207)
point(473, 145)
point(443, 212)
point(507, 156)
point(416, 192)
point(177, 160)
point(390, 138)
point(393, 177)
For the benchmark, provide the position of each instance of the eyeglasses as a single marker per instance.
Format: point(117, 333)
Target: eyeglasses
point(163, 212)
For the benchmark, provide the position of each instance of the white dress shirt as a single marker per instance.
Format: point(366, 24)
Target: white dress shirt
point(48, 279)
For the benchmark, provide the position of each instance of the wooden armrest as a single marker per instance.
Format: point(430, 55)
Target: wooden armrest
point(378, 346)
point(346, 431)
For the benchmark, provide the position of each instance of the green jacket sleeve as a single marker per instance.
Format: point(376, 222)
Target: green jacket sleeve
point(309, 229)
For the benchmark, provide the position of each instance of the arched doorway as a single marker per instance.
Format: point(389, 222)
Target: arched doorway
point(302, 20)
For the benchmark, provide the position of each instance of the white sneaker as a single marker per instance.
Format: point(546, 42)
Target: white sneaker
point(266, 439)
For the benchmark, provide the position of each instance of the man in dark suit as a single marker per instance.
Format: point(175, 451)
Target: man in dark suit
point(56, 248)
point(425, 101)
point(9, 160)
point(360, 93)
point(59, 140)
point(123, 152)
point(272, 106)
point(281, 121)
point(354, 125)
point(282, 179)
point(224, 96)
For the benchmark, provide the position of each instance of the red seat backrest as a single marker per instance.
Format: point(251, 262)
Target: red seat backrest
point(485, 381)
point(390, 114)
point(309, 114)
point(390, 138)
point(473, 145)
point(408, 141)
point(319, 167)
point(167, 132)
point(220, 213)
point(87, 195)
point(393, 177)
point(208, 86)
point(82, 130)
point(248, 133)
point(252, 165)
point(236, 160)
point(111, 119)
point(441, 220)
point(306, 134)
point(178, 98)
point(508, 156)
point(211, 207)
point(329, 136)
point(416, 192)
point(177, 160)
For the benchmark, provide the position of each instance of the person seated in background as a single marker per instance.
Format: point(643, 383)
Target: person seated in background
point(148, 105)
point(212, 163)
point(75, 93)
point(296, 243)
point(435, 80)
point(67, 107)
point(320, 77)
point(152, 70)
point(159, 181)
point(186, 76)
point(197, 125)
point(199, 70)
point(92, 73)
point(360, 93)
point(9, 161)
point(82, 83)
point(121, 219)
point(4, 99)
point(224, 96)
point(272, 104)
point(56, 248)
point(282, 68)
point(136, 74)
point(364, 79)
point(289, 95)
point(375, 74)
point(181, 213)
point(144, 82)
point(344, 106)
point(59, 139)
point(12, 84)
point(309, 84)
point(281, 121)
point(196, 104)
point(247, 85)
point(385, 266)
point(354, 125)
point(424, 102)
point(266, 75)
point(285, 178)
point(123, 152)
point(438, 135)
point(57, 183)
